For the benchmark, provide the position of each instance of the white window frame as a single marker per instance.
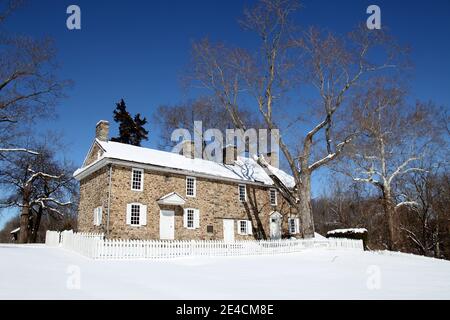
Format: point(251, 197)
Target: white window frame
point(133, 170)
point(194, 189)
point(245, 192)
point(135, 205)
point(142, 217)
point(248, 227)
point(275, 197)
point(296, 225)
point(195, 218)
point(98, 216)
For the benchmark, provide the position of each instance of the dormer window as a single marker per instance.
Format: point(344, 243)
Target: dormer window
point(137, 179)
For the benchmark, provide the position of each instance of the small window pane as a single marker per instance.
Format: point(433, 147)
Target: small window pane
point(243, 227)
point(292, 225)
point(137, 180)
point(242, 193)
point(273, 196)
point(135, 214)
point(190, 186)
point(190, 218)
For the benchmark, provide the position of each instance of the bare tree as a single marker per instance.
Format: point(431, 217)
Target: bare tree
point(29, 87)
point(37, 185)
point(395, 137)
point(168, 118)
point(332, 64)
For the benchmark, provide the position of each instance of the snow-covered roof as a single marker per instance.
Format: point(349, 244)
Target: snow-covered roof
point(15, 230)
point(244, 169)
point(351, 230)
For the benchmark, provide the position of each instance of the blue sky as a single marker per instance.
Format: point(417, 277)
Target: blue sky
point(137, 50)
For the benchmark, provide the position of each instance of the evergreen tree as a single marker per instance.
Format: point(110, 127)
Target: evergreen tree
point(131, 131)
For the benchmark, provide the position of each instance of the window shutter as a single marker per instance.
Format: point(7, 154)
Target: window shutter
point(143, 215)
point(290, 225)
point(95, 216)
point(185, 218)
point(99, 215)
point(196, 219)
point(239, 226)
point(249, 227)
point(297, 225)
point(128, 213)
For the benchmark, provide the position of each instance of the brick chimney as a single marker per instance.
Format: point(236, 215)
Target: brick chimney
point(188, 149)
point(102, 130)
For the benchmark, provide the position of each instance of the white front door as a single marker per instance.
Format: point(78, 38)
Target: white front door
point(275, 226)
point(167, 225)
point(228, 230)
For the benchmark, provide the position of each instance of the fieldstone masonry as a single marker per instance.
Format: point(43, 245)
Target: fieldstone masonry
point(215, 199)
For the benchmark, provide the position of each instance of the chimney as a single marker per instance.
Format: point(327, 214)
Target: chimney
point(188, 149)
point(102, 130)
point(229, 154)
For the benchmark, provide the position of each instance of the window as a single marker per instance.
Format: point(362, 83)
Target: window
point(242, 193)
point(191, 218)
point(137, 179)
point(245, 227)
point(294, 225)
point(136, 214)
point(97, 216)
point(190, 186)
point(273, 197)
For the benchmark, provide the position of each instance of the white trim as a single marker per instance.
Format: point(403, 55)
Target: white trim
point(248, 227)
point(194, 187)
point(270, 196)
point(142, 179)
point(172, 198)
point(296, 225)
point(95, 142)
point(195, 218)
point(129, 214)
point(239, 192)
point(98, 213)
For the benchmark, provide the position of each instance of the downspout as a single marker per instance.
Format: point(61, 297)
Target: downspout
point(109, 201)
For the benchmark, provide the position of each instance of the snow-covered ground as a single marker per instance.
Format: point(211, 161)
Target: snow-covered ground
point(39, 272)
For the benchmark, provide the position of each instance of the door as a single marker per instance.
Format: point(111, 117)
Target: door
point(167, 225)
point(228, 230)
point(275, 226)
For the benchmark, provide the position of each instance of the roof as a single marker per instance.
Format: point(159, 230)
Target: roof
point(15, 230)
point(244, 169)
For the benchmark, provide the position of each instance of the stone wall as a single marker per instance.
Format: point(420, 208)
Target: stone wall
point(216, 200)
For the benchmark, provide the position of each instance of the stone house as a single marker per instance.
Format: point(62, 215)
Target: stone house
point(131, 192)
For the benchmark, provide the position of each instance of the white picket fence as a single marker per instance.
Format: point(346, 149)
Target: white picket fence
point(96, 247)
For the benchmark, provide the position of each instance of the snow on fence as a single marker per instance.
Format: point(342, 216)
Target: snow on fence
point(96, 247)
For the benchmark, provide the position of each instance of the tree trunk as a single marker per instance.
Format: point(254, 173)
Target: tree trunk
point(389, 210)
point(36, 226)
point(24, 220)
point(304, 206)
